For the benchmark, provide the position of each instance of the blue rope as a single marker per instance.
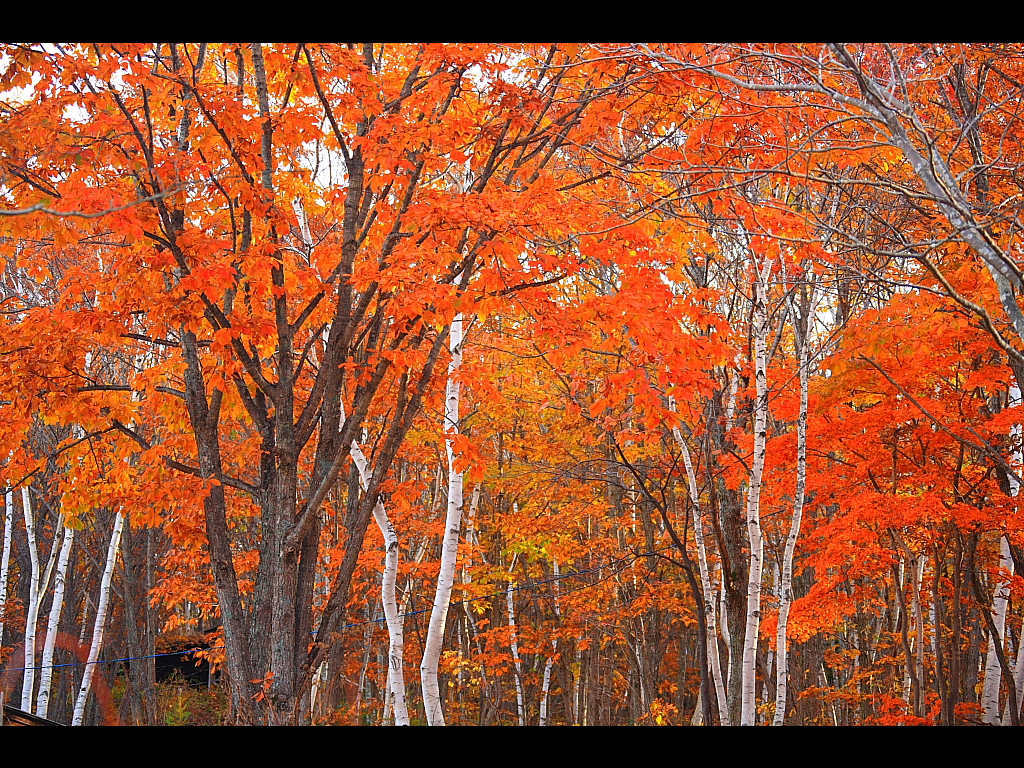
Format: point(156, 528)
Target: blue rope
point(627, 560)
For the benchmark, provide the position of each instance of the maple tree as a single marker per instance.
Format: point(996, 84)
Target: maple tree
point(681, 381)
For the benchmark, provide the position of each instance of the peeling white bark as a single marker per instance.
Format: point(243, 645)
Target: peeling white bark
point(53, 623)
point(993, 671)
point(724, 620)
point(753, 623)
point(32, 612)
point(5, 558)
point(450, 541)
point(1016, 459)
point(516, 659)
point(711, 641)
point(545, 688)
point(786, 587)
point(100, 622)
point(389, 580)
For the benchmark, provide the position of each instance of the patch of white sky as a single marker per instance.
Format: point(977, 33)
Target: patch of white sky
point(13, 98)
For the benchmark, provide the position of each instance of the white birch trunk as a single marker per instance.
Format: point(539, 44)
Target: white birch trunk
point(5, 558)
point(730, 408)
point(993, 671)
point(450, 541)
point(577, 689)
point(724, 620)
point(32, 612)
point(711, 641)
point(318, 682)
point(545, 688)
point(394, 620)
point(697, 718)
point(786, 587)
point(389, 580)
point(749, 671)
point(53, 623)
point(101, 620)
point(1016, 460)
point(472, 539)
point(918, 573)
point(516, 659)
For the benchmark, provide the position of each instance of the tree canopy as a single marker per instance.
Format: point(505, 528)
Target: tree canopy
point(681, 382)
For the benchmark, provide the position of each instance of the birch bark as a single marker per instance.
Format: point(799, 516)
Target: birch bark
point(450, 541)
point(749, 671)
point(711, 640)
point(801, 331)
point(516, 659)
point(32, 613)
point(393, 618)
point(5, 558)
point(917, 569)
point(100, 623)
point(1000, 605)
point(993, 670)
point(1016, 460)
point(724, 617)
point(545, 689)
point(53, 624)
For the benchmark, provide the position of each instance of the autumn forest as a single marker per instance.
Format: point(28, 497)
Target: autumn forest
point(525, 384)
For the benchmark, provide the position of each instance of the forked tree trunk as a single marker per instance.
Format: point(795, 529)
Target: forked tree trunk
point(101, 620)
point(53, 623)
point(711, 638)
point(396, 633)
point(801, 330)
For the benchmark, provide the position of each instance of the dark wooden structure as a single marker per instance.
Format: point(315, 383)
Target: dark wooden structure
point(14, 716)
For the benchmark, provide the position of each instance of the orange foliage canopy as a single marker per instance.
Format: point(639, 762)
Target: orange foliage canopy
point(226, 262)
